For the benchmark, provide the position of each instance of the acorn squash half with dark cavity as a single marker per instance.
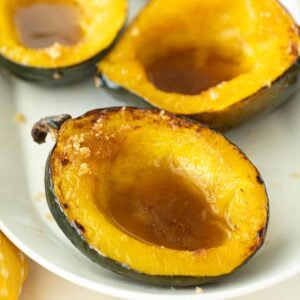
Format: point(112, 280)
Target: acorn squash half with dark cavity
point(60, 41)
point(221, 62)
point(153, 197)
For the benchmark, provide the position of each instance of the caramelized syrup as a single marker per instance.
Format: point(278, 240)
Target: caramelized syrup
point(42, 24)
point(179, 72)
point(165, 209)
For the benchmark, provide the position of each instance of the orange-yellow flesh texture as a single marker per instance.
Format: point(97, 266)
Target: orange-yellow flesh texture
point(99, 147)
point(13, 270)
point(251, 42)
point(99, 21)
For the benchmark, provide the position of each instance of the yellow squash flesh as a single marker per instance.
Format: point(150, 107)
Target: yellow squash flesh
point(100, 22)
point(13, 270)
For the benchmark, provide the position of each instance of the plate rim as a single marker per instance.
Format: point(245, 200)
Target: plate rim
point(134, 295)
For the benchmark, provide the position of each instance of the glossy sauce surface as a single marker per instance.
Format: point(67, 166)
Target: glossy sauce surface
point(164, 209)
point(42, 24)
point(180, 72)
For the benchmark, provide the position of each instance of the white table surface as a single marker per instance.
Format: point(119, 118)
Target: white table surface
point(43, 285)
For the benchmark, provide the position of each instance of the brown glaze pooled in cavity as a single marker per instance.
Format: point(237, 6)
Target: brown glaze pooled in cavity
point(165, 209)
point(184, 72)
point(43, 24)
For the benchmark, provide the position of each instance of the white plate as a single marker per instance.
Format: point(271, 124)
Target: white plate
point(272, 143)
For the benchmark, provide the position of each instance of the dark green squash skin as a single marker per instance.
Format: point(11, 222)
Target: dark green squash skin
point(53, 77)
point(73, 232)
point(263, 101)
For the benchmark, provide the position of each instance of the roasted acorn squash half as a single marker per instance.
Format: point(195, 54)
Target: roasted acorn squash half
point(153, 197)
point(13, 269)
point(60, 41)
point(217, 61)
